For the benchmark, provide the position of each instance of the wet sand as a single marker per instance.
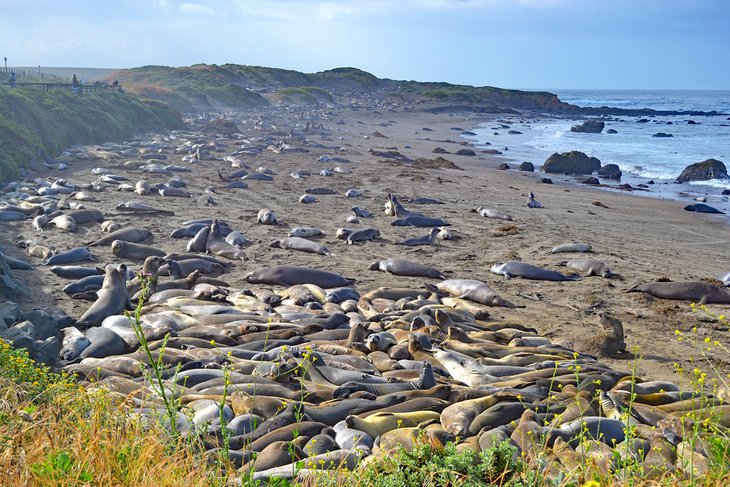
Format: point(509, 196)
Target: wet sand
point(641, 239)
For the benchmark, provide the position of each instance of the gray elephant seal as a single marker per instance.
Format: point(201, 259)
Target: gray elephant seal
point(699, 292)
point(422, 240)
point(302, 245)
point(216, 243)
point(112, 297)
point(571, 247)
point(472, 290)
point(725, 278)
point(77, 254)
point(266, 217)
point(589, 267)
point(403, 267)
point(492, 213)
point(362, 235)
point(127, 234)
point(529, 271)
point(289, 275)
point(419, 221)
point(134, 251)
point(306, 232)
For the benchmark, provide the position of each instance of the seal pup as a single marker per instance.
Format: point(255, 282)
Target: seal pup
point(127, 234)
point(528, 271)
point(301, 244)
point(725, 278)
point(589, 267)
point(703, 208)
point(65, 223)
point(419, 221)
point(492, 213)
point(305, 232)
point(362, 235)
point(422, 240)
point(698, 292)
point(571, 247)
point(267, 217)
point(216, 244)
point(77, 254)
point(361, 213)
point(471, 290)
point(403, 267)
point(307, 198)
point(532, 202)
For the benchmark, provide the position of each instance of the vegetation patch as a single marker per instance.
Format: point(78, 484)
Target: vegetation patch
point(32, 120)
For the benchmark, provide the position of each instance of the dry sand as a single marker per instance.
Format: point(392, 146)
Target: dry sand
point(641, 239)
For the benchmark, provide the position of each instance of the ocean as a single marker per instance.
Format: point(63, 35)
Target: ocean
point(633, 148)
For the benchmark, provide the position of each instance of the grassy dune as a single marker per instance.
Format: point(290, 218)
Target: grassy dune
point(206, 86)
point(32, 120)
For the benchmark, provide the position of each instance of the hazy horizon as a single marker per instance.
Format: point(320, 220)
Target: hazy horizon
point(523, 44)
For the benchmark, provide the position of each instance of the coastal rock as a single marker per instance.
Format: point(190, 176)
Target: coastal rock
point(703, 171)
point(465, 152)
point(611, 131)
point(662, 135)
point(440, 150)
point(589, 127)
point(574, 162)
point(527, 167)
point(589, 180)
point(610, 171)
point(546, 181)
point(725, 192)
point(503, 167)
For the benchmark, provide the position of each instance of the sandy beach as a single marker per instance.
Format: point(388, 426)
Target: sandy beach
point(641, 239)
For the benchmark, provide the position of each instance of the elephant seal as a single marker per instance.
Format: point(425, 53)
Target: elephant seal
point(266, 217)
point(343, 233)
point(589, 267)
point(422, 240)
point(288, 275)
point(725, 278)
point(419, 221)
point(492, 213)
point(103, 343)
point(307, 198)
point(65, 223)
point(703, 208)
point(77, 254)
point(698, 292)
point(301, 244)
point(236, 238)
point(82, 216)
point(197, 243)
point(109, 226)
point(75, 271)
point(473, 290)
point(360, 212)
point(134, 251)
point(532, 202)
point(112, 297)
point(403, 267)
point(127, 234)
point(306, 232)
point(216, 244)
point(74, 342)
point(571, 247)
point(362, 235)
point(529, 271)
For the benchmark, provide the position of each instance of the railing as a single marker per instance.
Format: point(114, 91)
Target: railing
point(78, 88)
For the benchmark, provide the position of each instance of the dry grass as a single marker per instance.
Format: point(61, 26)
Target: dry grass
point(81, 437)
point(506, 229)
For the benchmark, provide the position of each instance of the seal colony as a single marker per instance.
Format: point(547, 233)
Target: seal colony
point(358, 362)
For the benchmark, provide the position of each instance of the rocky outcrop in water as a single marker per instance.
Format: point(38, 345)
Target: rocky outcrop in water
point(574, 162)
point(589, 127)
point(703, 171)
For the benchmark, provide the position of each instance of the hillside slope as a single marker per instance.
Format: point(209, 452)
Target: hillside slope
point(203, 87)
point(32, 120)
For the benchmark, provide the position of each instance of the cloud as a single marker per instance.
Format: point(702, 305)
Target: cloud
point(198, 9)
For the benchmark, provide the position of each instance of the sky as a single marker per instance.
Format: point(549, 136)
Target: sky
point(528, 44)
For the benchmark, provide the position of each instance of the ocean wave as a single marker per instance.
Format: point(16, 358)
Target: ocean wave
point(715, 183)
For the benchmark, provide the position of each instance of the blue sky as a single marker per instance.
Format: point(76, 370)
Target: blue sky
point(643, 44)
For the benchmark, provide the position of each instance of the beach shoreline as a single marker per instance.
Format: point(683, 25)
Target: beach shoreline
point(641, 239)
